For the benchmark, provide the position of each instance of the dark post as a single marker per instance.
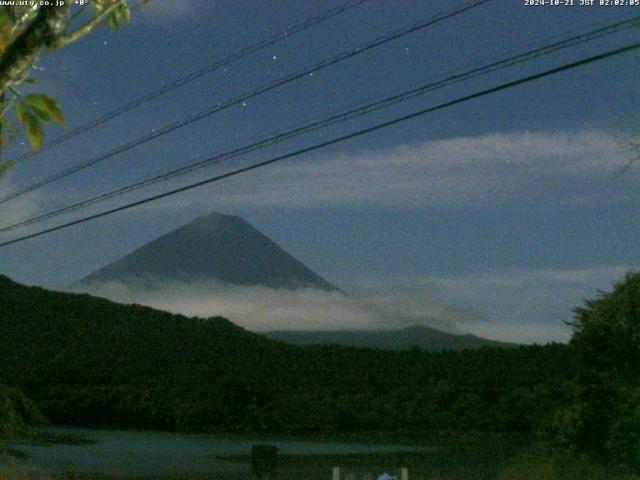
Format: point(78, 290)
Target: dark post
point(263, 460)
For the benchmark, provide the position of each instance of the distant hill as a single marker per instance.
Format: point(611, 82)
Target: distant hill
point(417, 336)
point(89, 361)
point(215, 247)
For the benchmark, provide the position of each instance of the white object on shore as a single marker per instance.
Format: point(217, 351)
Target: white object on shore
point(404, 474)
point(336, 473)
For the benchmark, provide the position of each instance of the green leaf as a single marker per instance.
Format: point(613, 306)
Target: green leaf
point(22, 110)
point(6, 24)
point(32, 110)
point(119, 16)
point(113, 19)
point(6, 17)
point(125, 13)
point(35, 132)
point(99, 6)
point(42, 114)
point(45, 107)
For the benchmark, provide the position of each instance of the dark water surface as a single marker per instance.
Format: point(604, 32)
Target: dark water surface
point(131, 453)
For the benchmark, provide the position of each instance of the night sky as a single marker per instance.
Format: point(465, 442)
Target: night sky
point(504, 204)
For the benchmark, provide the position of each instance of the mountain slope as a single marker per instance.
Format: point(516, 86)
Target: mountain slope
point(55, 330)
point(215, 247)
point(417, 336)
point(87, 360)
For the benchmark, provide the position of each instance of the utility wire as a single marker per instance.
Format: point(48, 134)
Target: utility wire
point(234, 57)
point(445, 81)
point(277, 83)
point(333, 141)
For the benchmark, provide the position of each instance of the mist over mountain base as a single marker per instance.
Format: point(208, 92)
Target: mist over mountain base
point(263, 309)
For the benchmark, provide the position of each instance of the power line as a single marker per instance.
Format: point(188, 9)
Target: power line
point(334, 141)
point(277, 83)
point(234, 57)
point(445, 81)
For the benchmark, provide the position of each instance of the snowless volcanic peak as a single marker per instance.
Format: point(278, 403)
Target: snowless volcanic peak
point(214, 247)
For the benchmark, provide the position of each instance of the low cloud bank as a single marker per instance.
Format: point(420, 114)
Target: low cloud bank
point(520, 305)
point(262, 309)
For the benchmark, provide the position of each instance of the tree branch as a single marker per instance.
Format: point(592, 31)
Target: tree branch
point(23, 20)
point(91, 25)
point(23, 52)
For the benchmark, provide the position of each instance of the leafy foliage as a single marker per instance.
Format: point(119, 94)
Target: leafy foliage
point(34, 111)
point(607, 333)
point(16, 412)
point(7, 19)
point(604, 419)
point(24, 32)
point(119, 16)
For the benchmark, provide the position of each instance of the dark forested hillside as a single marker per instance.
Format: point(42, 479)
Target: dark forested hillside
point(89, 361)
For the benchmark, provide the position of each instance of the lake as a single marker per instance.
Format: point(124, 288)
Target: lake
point(135, 453)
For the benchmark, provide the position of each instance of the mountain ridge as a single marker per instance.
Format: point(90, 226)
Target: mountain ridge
point(413, 336)
point(212, 247)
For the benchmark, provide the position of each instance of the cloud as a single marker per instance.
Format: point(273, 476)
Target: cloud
point(519, 305)
point(262, 309)
point(586, 279)
point(527, 305)
point(562, 169)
